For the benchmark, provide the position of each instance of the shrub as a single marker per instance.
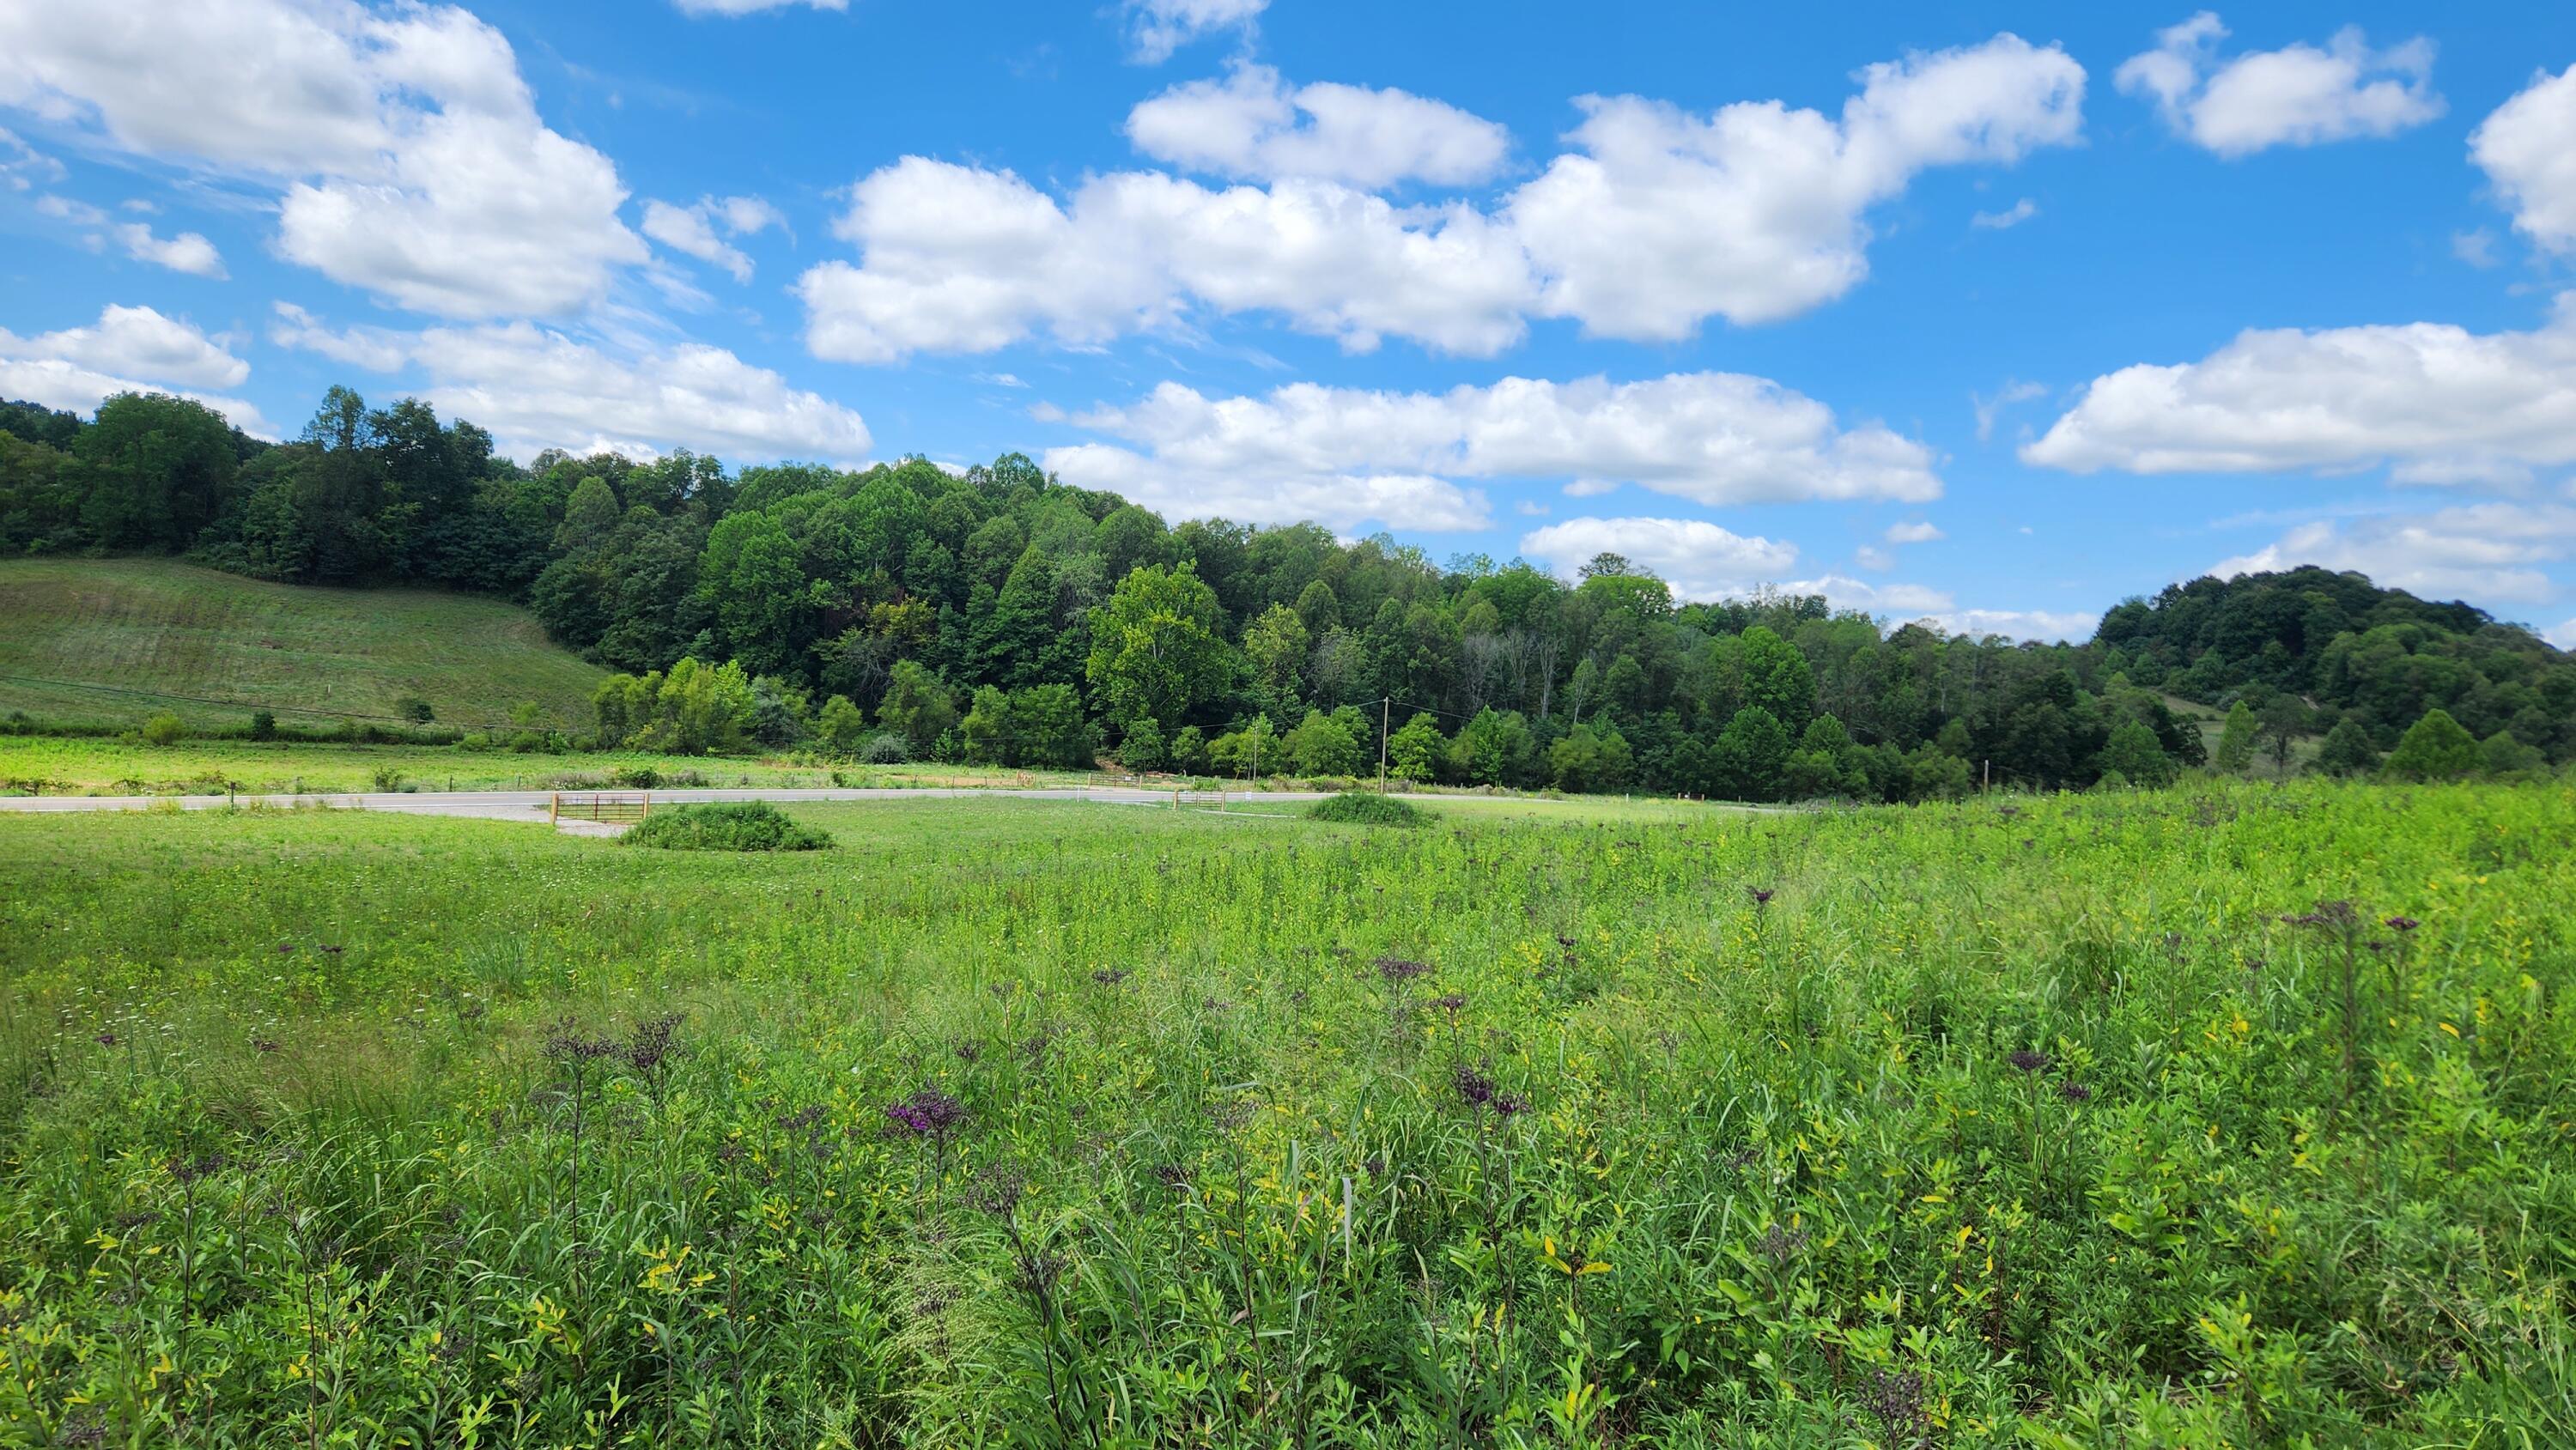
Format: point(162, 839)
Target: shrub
point(1143, 749)
point(164, 729)
point(884, 748)
point(1366, 808)
point(388, 779)
point(727, 826)
point(415, 709)
point(263, 725)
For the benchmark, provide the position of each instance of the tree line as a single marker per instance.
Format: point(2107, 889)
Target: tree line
point(906, 612)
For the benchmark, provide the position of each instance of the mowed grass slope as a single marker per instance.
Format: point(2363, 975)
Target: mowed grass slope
point(165, 629)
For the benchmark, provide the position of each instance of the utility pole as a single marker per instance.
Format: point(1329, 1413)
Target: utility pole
point(1990, 774)
point(1384, 704)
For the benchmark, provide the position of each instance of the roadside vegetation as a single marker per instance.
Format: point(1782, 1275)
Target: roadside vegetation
point(2230, 1114)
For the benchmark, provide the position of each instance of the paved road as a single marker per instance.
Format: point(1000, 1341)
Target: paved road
point(522, 805)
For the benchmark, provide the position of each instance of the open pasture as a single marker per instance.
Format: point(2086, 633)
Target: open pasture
point(1035, 1123)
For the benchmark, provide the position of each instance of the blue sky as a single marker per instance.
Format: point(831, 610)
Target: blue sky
point(1993, 313)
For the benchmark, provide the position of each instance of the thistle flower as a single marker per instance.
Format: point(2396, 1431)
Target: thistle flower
point(1452, 1003)
point(1397, 969)
point(2029, 1060)
point(1761, 894)
point(2403, 923)
point(2074, 1092)
point(564, 1042)
point(1507, 1104)
point(651, 1044)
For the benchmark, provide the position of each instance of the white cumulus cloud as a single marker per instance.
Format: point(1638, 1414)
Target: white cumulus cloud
point(1156, 28)
point(1699, 559)
point(2435, 402)
point(692, 229)
point(128, 350)
point(1253, 124)
point(1754, 213)
point(2525, 149)
point(187, 252)
point(405, 147)
point(538, 388)
point(1660, 220)
point(2299, 95)
point(2490, 553)
point(1711, 438)
point(138, 341)
point(751, 7)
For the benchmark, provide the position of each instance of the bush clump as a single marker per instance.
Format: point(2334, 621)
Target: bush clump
point(727, 826)
point(1366, 808)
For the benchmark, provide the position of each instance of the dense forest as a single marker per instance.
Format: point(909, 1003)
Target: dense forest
point(904, 611)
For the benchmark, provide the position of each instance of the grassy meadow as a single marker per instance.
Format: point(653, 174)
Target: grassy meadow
point(154, 630)
point(72, 765)
point(2226, 1116)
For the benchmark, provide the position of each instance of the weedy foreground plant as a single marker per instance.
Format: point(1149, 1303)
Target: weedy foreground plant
point(2228, 1117)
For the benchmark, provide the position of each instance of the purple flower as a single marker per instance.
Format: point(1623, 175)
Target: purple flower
point(2403, 923)
point(2029, 1060)
point(2075, 1092)
point(1761, 894)
point(928, 1113)
point(1474, 1088)
point(1397, 969)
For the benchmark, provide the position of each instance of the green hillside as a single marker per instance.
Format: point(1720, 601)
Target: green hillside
point(151, 631)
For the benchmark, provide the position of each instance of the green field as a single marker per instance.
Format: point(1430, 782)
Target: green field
point(1055, 1124)
point(152, 630)
point(52, 765)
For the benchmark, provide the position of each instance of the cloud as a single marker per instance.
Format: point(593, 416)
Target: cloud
point(2298, 95)
point(1662, 220)
point(537, 388)
point(405, 147)
point(2011, 216)
point(2475, 247)
point(2564, 636)
point(1988, 409)
point(137, 341)
point(1699, 559)
point(1754, 213)
point(2489, 552)
point(751, 7)
point(965, 260)
point(1871, 557)
point(691, 231)
point(23, 167)
point(1711, 438)
point(2522, 147)
point(187, 252)
point(1915, 532)
point(128, 350)
point(2438, 403)
point(1251, 124)
point(1156, 28)
point(2040, 624)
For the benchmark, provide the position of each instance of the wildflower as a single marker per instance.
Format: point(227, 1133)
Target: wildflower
point(1109, 976)
point(1375, 1167)
point(2075, 1092)
point(652, 1043)
point(1509, 1103)
point(1397, 969)
point(1173, 1176)
point(1780, 1245)
point(1761, 894)
point(1897, 1401)
point(2029, 1060)
point(564, 1043)
point(1452, 1003)
point(928, 1113)
point(2403, 923)
point(107, 1039)
point(1474, 1088)
point(967, 1051)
